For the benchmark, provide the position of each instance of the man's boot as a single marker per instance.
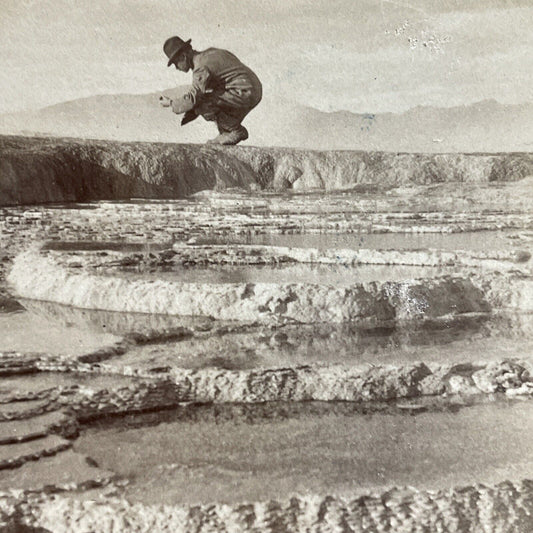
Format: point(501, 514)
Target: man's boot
point(230, 137)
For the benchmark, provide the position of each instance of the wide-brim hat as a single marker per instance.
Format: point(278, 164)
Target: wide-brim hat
point(173, 46)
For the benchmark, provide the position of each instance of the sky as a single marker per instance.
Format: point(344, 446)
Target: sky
point(357, 55)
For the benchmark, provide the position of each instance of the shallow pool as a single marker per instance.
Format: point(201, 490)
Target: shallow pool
point(24, 331)
point(325, 452)
point(201, 342)
point(468, 240)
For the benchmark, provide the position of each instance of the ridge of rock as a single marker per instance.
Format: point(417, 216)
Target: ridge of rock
point(37, 170)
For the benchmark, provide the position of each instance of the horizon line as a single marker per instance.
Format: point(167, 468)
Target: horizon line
point(286, 101)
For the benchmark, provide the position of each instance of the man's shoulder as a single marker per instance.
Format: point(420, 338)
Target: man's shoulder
point(214, 51)
point(212, 54)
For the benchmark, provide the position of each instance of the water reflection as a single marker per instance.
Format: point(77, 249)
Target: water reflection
point(161, 342)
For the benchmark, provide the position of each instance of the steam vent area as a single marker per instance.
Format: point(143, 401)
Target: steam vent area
point(198, 338)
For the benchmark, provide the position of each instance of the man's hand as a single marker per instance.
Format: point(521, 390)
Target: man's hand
point(165, 101)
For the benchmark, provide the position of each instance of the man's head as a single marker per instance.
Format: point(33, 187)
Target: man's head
point(179, 53)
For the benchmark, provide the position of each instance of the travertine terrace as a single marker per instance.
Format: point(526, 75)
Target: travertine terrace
point(328, 341)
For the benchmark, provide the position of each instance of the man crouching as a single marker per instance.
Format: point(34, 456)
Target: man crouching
point(223, 89)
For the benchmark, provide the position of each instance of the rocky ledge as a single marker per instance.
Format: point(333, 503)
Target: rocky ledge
point(135, 390)
point(39, 170)
point(71, 280)
point(503, 507)
point(37, 276)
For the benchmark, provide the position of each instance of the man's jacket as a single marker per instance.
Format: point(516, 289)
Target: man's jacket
point(220, 77)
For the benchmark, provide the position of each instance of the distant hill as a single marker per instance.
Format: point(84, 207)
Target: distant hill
point(486, 126)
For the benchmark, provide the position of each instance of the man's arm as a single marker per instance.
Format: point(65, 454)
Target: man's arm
point(200, 83)
point(201, 78)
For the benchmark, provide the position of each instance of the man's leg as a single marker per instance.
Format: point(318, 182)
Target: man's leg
point(228, 121)
point(228, 111)
point(208, 109)
point(230, 129)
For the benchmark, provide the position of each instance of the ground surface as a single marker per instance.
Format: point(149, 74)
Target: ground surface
point(315, 376)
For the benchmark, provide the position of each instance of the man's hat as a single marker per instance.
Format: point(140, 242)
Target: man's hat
point(173, 47)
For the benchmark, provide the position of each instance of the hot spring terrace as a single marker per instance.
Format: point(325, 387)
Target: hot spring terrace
point(326, 341)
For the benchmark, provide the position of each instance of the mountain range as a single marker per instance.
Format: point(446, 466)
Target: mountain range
point(486, 126)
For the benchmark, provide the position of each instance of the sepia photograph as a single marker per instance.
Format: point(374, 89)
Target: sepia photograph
point(265, 266)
